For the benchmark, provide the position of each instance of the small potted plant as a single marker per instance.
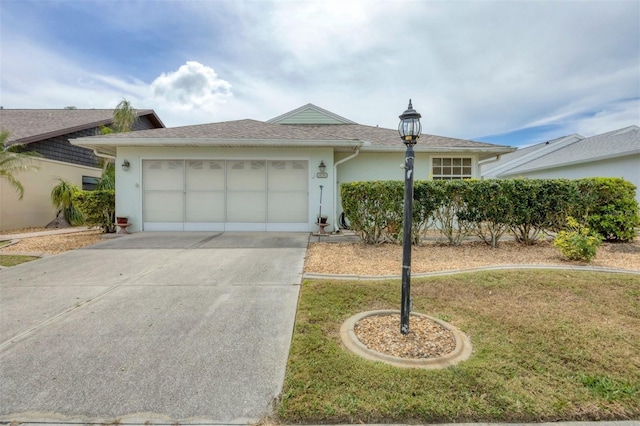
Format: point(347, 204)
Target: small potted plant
point(322, 218)
point(122, 220)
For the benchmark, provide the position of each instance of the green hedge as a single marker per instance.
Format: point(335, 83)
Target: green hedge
point(610, 207)
point(98, 208)
point(525, 208)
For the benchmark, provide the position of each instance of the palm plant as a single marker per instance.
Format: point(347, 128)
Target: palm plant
point(124, 117)
point(108, 179)
point(62, 199)
point(13, 161)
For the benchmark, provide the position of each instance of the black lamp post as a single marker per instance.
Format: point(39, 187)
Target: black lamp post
point(409, 129)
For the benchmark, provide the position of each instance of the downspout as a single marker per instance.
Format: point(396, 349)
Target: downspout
point(107, 156)
point(487, 161)
point(335, 185)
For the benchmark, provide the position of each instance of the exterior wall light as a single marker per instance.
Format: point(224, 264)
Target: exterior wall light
point(126, 165)
point(322, 173)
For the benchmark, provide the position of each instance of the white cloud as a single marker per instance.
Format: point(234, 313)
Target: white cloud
point(612, 116)
point(471, 68)
point(192, 86)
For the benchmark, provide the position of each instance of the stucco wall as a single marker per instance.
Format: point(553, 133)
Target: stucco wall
point(35, 208)
point(129, 183)
point(627, 168)
point(388, 166)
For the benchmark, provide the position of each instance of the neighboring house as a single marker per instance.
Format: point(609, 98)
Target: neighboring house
point(278, 175)
point(611, 154)
point(48, 131)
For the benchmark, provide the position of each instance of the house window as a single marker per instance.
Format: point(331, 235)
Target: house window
point(451, 168)
point(89, 183)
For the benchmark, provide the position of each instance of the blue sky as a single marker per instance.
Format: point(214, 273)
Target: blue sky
point(508, 72)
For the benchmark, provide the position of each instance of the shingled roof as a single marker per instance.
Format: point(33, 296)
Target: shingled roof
point(253, 133)
point(571, 149)
point(31, 125)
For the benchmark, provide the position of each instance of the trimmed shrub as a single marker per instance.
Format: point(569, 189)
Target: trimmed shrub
point(374, 209)
point(428, 196)
point(98, 208)
point(578, 242)
point(610, 207)
point(450, 217)
point(528, 208)
point(488, 209)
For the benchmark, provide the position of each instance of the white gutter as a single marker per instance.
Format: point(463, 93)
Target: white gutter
point(107, 156)
point(487, 161)
point(335, 185)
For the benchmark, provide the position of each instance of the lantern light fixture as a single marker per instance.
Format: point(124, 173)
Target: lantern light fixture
point(410, 127)
point(126, 165)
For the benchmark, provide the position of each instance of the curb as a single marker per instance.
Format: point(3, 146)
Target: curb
point(461, 353)
point(315, 276)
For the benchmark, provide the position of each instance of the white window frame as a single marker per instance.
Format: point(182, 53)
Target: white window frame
point(452, 175)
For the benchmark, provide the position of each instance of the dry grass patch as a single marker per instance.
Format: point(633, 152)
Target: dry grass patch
point(53, 244)
point(548, 346)
point(386, 259)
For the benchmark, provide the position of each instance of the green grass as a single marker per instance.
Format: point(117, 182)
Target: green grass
point(12, 260)
point(548, 345)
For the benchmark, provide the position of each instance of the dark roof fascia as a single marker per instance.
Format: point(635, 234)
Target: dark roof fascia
point(150, 114)
point(153, 118)
point(60, 132)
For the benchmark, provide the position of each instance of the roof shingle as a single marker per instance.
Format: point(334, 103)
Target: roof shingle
point(29, 125)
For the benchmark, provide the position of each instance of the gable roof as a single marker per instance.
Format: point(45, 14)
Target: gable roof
point(572, 149)
point(346, 135)
point(31, 125)
point(310, 114)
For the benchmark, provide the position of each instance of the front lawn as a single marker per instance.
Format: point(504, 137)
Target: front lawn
point(12, 260)
point(548, 345)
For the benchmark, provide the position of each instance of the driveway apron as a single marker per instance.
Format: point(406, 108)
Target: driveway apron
point(150, 327)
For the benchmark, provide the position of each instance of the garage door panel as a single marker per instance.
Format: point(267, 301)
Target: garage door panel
point(246, 175)
point(205, 175)
point(163, 206)
point(246, 206)
point(287, 207)
point(163, 175)
point(205, 206)
point(288, 175)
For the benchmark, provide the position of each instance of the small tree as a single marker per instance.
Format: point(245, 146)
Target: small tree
point(62, 198)
point(13, 159)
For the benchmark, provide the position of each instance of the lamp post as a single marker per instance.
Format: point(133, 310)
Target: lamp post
point(409, 129)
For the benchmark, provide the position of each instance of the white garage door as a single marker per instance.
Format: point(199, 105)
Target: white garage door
point(225, 195)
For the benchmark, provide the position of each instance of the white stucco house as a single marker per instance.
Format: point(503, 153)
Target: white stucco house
point(611, 154)
point(249, 175)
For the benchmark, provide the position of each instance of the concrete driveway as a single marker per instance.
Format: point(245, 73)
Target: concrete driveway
point(160, 327)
